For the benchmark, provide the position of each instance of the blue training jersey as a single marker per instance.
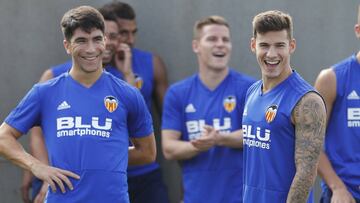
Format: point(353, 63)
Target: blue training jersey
point(142, 65)
point(269, 139)
point(86, 131)
point(342, 140)
point(215, 175)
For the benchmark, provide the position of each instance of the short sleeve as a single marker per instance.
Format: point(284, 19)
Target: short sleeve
point(27, 112)
point(172, 118)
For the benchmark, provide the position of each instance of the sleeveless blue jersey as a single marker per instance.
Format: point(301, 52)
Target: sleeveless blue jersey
point(61, 68)
point(215, 175)
point(342, 140)
point(142, 64)
point(269, 139)
point(86, 131)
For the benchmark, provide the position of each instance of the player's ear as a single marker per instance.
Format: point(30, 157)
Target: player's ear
point(67, 46)
point(253, 44)
point(357, 30)
point(292, 45)
point(195, 46)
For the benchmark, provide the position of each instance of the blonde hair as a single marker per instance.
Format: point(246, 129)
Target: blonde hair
point(210, 20)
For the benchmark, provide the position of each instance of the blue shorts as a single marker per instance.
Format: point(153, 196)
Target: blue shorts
point(148, 188)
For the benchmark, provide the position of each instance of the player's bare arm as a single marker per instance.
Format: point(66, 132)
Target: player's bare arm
point(233, 139)
point(47, 75)
point(38, 150)
point(25, 186)
point(12, 150)
point(176, 149)
point(143, 150)
point(37, 142)
point(160, 81)
point(326, 85)
point(37, 145)
point(309, 118)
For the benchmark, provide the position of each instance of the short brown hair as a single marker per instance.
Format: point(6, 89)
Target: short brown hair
point(272, 21)
point(84, 17)
point(210, 20)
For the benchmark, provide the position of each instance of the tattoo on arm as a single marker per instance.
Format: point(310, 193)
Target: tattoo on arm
point(310, 120)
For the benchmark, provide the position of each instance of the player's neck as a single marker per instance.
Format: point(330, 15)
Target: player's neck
point(87, 79)
point(271, 82)
point(211, 78)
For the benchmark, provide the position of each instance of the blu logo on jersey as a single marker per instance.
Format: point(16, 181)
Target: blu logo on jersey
point(195, 127)
point(76, 122)
point(256, 137)
point(72, 126)
point(353, 116)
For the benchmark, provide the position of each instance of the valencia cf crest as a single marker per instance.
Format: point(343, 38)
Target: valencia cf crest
point(139, 82)
point(229, 103)
point(111, 103)
point(271, 113)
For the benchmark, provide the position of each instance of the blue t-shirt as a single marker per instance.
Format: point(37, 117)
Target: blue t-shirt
point(342, 140)
point(269, 139)
point(86, 131)
point(215, 175)
point(142, 64)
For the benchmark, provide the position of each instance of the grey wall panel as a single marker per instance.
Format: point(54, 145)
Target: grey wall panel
point(31, 41)
point(9, 183)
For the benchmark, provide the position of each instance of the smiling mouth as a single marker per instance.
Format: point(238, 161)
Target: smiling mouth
point(272, 63)
point(219, 54)
point(90, 58)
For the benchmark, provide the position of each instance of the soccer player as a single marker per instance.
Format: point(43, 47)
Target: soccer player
point(201, 123)
point(140, 68)
point(37, 145)
point(283, 121)
point(339, 165)
point(87, 117)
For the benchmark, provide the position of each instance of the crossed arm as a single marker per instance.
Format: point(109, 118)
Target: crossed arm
point(176, 149)
point(309, 118)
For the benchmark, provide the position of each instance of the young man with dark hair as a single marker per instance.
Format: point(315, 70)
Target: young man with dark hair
point(139, 68)
point(36, 144)
point(87, 117)
point(283, 121)
point(339, 165)
point(201, 123)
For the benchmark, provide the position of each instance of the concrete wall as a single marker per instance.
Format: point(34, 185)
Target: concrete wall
point(31, 41)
